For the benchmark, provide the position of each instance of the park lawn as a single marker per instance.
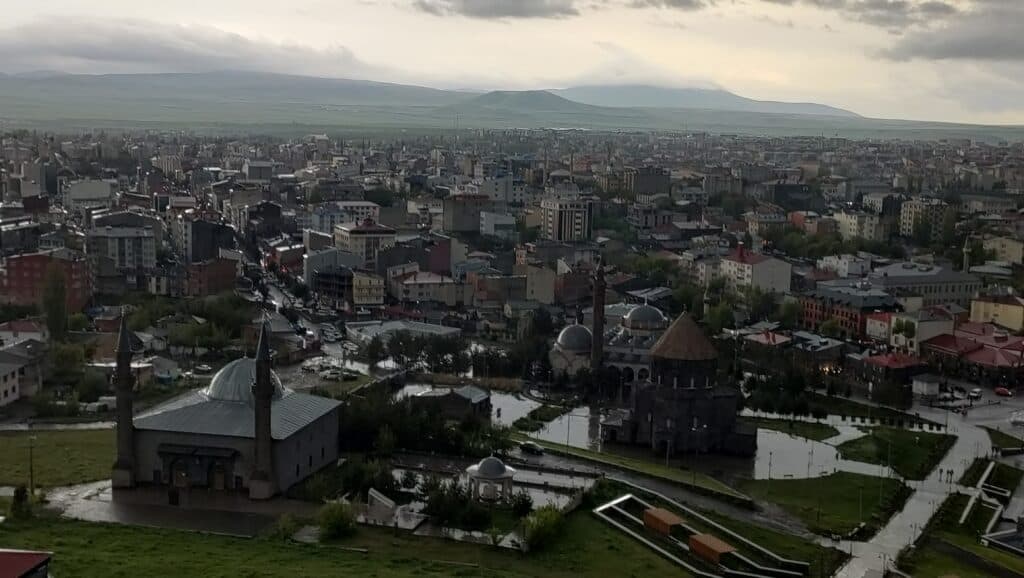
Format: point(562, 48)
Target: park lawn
point(832, 504)
point(342, 388)
point(1006, 477)
point(824, 561)
point(1002, 440)
point(812, 431)
point(931, 563)
point(842, 406)
point(61, 458)
point(650, 468)
point(974, 473)
point(913, 454)
point(586, 547)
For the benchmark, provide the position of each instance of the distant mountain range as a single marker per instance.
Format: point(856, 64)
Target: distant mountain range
point(225, 101)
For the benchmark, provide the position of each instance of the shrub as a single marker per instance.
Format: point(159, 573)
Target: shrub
point(542, 526)
point(20, 506)
point(336, 521)
point(522, 503)
point(285, 527)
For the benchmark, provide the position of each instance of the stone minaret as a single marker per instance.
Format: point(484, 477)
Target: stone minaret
point(597, 343)
point(123, 475)
point(261, 483)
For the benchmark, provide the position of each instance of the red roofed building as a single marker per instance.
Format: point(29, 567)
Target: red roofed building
point(980, 352)
point(742, 269)
point(24, 564)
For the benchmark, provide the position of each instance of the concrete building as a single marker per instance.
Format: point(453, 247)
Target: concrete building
point(364, 331)
point(930, 212)
point(847, 302)
point(858, 224)
point(121, 257)
point(366, 239)
point(200, 240)
point(1002, 310)
point(500, 225)
point(567, 219)
point(1007, 249)
point(742, 269)
point(462, 212)
point(936, 284)
point(845, 265)
point(648, 180)
point(23, 278)
point(245, 434)
point(909, 330)
point(368, 290)
point(81, 195)
point(325, 260)
point(323, 218)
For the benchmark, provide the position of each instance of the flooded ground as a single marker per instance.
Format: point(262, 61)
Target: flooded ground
point(506, 408)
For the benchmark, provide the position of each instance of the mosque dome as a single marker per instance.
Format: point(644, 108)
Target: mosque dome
point(645, 317)
point(575, 338)
point(235, 380)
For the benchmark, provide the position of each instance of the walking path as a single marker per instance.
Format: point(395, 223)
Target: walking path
point(907, 526)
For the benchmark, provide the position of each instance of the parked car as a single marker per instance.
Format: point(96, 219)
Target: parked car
point(531, 448)
point(1003, 392)
point(975, 393)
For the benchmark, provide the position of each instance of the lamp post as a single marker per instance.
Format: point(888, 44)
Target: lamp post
point(31, 466)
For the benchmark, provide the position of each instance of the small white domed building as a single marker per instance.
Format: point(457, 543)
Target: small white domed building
point(490, 480)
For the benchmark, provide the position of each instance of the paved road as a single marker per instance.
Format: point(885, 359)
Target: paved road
point(906, 526)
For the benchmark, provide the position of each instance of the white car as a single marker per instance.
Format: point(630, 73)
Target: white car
point(975, 393)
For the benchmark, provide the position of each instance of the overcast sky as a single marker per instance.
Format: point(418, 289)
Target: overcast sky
point(955, 60)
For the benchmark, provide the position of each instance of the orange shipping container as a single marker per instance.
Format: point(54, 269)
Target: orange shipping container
point(709, 547)
point(661, 520)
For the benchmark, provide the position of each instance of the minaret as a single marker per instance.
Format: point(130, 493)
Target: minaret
point(261, 483)
point(123, 475)
point(597, 342)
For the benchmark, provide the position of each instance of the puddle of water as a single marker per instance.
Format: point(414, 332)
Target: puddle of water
point(785, 456)
point(506, 408)
point(579, 428)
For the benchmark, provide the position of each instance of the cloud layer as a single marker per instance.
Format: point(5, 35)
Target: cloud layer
point(487, 9)
point(129, 46)
point(990, 32)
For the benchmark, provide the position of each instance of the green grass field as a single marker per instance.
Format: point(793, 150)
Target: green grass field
point(1002, 440)
point(911, 454)
point(833, 504)
point(1006, 477)
point(60, 458)
point(586, 547)
point(835, 405)
point(813, 431)
point(649, 467)
point(974, 473)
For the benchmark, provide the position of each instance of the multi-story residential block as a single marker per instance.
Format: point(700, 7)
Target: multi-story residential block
point(567, 218)
point(211, 277)
point(1007, 249)
point(122, 258)
point(645, 218)
point(365, 239)
point(859, 224)
point(845, 265)
point(23, 277)
point(761, 223)
point(648, 180)
point(909, 330)
point(368, 290)
point(500, 225)
point(323, 218)
point(848, 303)
point(325, 260)
point(743, 269)
point(461, 213)
point(1005, 310)
point(922, 212)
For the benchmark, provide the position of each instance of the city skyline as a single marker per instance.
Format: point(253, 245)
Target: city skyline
point(938, 60)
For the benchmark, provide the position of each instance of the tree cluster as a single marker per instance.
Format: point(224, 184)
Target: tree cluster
point(449, 504)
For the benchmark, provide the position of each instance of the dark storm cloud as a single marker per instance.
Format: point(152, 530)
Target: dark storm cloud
point(498, 9)
point(127, 46)
point(991, 31)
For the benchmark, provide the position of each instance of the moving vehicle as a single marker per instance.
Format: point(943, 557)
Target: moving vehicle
point(531, 448)
point(975, 393)
point(1003, 392)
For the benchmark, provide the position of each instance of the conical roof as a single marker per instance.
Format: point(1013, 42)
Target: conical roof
point(684, 341)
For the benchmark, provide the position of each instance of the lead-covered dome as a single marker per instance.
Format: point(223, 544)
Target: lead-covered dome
point(575, 338)
point(235, 380)
point(645, 317)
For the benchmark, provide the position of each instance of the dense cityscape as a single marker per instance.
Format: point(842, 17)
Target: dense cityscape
point(698, 350)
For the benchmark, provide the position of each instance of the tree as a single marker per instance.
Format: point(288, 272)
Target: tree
point(542, 526)
point(385, 443)
point(375, 351)
point(830, 328)
point(522, 503)
point(759, 303)
point(78, 322)
point(21, 507)
point(543, 325)
point(949, 227)
point(92, 385)
point(719, 317)
point(789, 314)
point(409, 479)
point(55, 303)
point(68, 360)
point(922, 232)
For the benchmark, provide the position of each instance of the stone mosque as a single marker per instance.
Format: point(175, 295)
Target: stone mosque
point(669, 396)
